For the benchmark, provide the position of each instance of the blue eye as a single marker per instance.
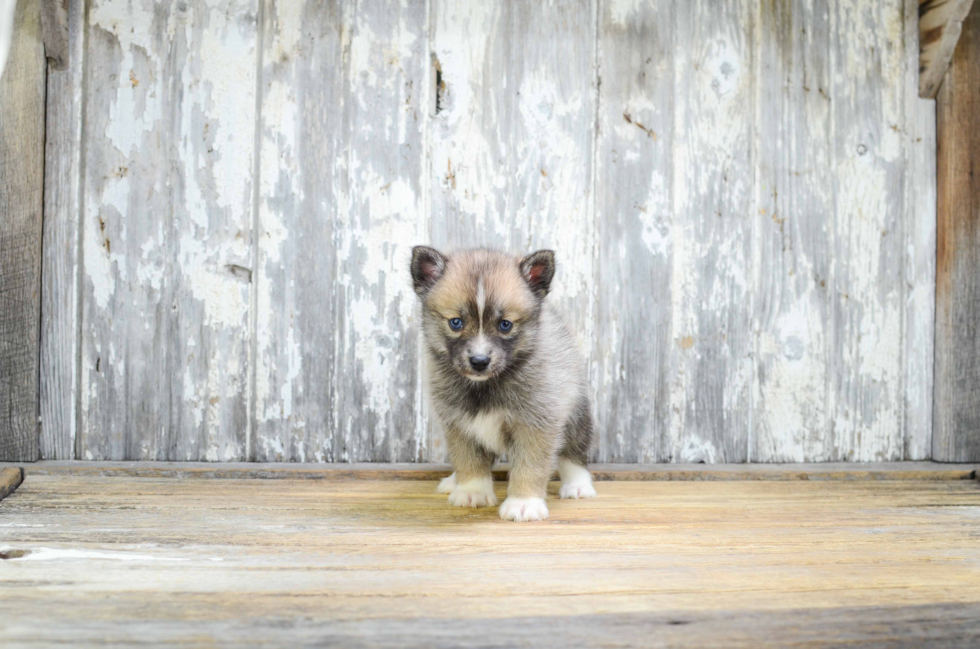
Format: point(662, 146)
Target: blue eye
point(505, 325)
point(455, 324)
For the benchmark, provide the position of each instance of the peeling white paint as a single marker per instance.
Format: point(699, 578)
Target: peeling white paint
point(508, 161)
point(135, 112)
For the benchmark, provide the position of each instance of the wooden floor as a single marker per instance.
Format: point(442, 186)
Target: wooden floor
point(125, 560)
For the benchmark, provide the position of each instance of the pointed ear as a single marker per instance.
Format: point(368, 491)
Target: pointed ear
point(538, 268)
point(428, 265)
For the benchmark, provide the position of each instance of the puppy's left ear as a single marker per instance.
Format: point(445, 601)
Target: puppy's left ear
point(538, 269)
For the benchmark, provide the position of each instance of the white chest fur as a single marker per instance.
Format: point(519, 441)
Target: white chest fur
point(485, 428)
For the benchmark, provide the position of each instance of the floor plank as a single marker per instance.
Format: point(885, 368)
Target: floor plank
point(371, 563)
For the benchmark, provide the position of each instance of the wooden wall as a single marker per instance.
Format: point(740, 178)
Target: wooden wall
point(741, 194)
point(21, 191)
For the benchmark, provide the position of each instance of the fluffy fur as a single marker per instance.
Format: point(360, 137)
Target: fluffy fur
point(519, 389)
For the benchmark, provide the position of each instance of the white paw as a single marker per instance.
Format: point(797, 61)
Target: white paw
point(523, 509)
point(446, 485)
point(576, 481)
point(577, 490)
point(477, 492)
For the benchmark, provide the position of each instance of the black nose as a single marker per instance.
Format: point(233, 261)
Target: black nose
point(479, 363)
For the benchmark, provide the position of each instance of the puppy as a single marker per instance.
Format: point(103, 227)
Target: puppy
point(504, 377)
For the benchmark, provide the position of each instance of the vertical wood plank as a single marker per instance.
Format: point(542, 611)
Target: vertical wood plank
point(169, 92)
point(381, 219)
point(920, 250)
point(712, 188)
point(794, 194)
point(957, 395)
point(345, 208)
point(60, 258)
point(635, 222)
point(21, 203)
point(868, 55)
point(302, 179)
point(512, 139)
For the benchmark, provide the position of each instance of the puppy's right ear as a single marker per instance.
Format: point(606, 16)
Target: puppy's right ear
point(428, 265)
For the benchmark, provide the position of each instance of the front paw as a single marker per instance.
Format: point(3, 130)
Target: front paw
point(523, 509)
point(577, 490)
point(477, 492)
point(576, 481)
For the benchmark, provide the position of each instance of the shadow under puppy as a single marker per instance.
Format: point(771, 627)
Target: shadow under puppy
point(504, 377)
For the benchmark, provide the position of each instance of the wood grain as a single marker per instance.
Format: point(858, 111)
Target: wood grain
point(302, 182)
point(60, 252)
point(21, 205)
point(342, 122)
point(711, 366)
point(795, 175)
point(634, 199)
point(391, 564)
point(867, 284)
point(957, 396)
point(166, 220)
point(920, 250)
point(379, 219)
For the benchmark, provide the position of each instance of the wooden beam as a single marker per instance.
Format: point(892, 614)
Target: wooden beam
point(59, 248)
point(940, 25)
point(956, 399)
point(22, 90)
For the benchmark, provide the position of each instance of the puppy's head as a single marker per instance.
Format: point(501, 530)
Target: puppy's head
point(480, 308)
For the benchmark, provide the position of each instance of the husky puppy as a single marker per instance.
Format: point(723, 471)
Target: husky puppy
point(504, 377)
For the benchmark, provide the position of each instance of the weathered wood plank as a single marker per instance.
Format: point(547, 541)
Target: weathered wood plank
point(919, 137)
point(940, 26)
point(302, 181)
point(169, 110)
point(60, 255)
point(957, 394)
point(10, 479)
point(341, 206)
point(21, 205)
point(848, 471)
point(302, 165)
point(388, 563)
point(867, 282)
point(511, 140)
point(711, 366)
point(947, 625)
point(635, 217)
point(382, 216)
point(793, 316)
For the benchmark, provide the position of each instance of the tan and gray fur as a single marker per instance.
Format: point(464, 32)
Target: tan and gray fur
point(520, 391)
